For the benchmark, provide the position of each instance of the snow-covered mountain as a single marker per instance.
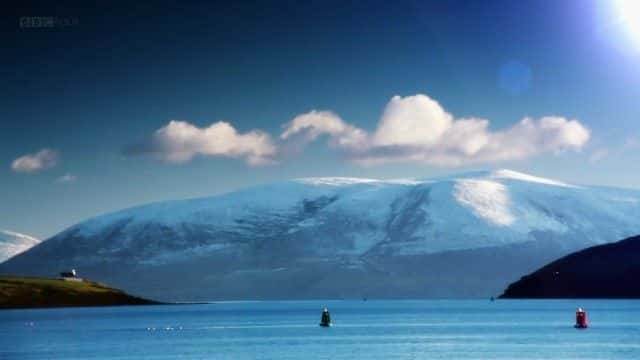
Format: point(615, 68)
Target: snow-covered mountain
point(12, 243)
point(466, 235)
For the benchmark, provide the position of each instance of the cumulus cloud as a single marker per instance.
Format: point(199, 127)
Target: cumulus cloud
point(418, 129)
point(412, 121)
point(411, 129)
point(180, 141)
point(315, 123)
point(29, 163)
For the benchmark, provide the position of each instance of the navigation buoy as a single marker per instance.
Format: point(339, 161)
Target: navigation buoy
point(581, 319)
point(325, 320)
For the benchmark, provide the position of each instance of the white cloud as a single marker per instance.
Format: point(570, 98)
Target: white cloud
point(66, 178)
point(180, 141)
point(417, 129)
point(411, 129)
point(316, 123)
point(414, 120)
point(43, 159)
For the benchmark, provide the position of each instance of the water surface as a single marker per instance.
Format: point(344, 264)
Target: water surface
point(374, 329)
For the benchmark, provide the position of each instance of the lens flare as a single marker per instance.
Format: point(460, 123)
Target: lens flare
point(629, 14)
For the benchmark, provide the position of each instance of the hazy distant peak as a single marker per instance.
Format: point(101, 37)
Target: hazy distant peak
point(13, 243)
point(16, 235)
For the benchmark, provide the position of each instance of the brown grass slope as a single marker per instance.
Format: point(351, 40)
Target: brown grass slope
point(27, 292)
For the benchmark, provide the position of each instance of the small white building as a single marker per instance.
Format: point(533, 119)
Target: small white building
point(70, 275)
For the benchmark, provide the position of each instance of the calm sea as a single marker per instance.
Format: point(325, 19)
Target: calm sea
point(374, 329)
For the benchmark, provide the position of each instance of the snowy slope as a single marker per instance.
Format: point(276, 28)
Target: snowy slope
point(12, 243)
point(354, 216)
point(362, 225)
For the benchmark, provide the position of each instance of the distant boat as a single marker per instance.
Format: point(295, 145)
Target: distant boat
point(325, 320)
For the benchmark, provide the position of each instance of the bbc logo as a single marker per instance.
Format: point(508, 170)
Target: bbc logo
point(40, 22)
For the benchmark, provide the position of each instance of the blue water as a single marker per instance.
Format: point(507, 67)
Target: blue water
point(430, 329)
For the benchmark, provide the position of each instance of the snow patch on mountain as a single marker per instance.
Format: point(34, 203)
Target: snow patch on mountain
point(340, 181)
point(335, 181)
point(489, 200)
point(13, 243)
point(514, 175)
point(627, 199)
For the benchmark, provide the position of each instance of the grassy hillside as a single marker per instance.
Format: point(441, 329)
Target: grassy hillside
point(25, 292)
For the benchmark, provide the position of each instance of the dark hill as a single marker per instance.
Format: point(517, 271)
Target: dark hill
point(25, 292)
point(605, 271)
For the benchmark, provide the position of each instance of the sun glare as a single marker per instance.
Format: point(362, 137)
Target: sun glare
point(629, 14)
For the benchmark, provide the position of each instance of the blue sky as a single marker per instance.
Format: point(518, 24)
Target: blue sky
point(93, 94)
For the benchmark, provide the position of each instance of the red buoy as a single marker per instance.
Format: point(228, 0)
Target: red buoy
point(581, 319)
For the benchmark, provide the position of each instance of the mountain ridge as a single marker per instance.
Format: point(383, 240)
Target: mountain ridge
point(364, 230)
